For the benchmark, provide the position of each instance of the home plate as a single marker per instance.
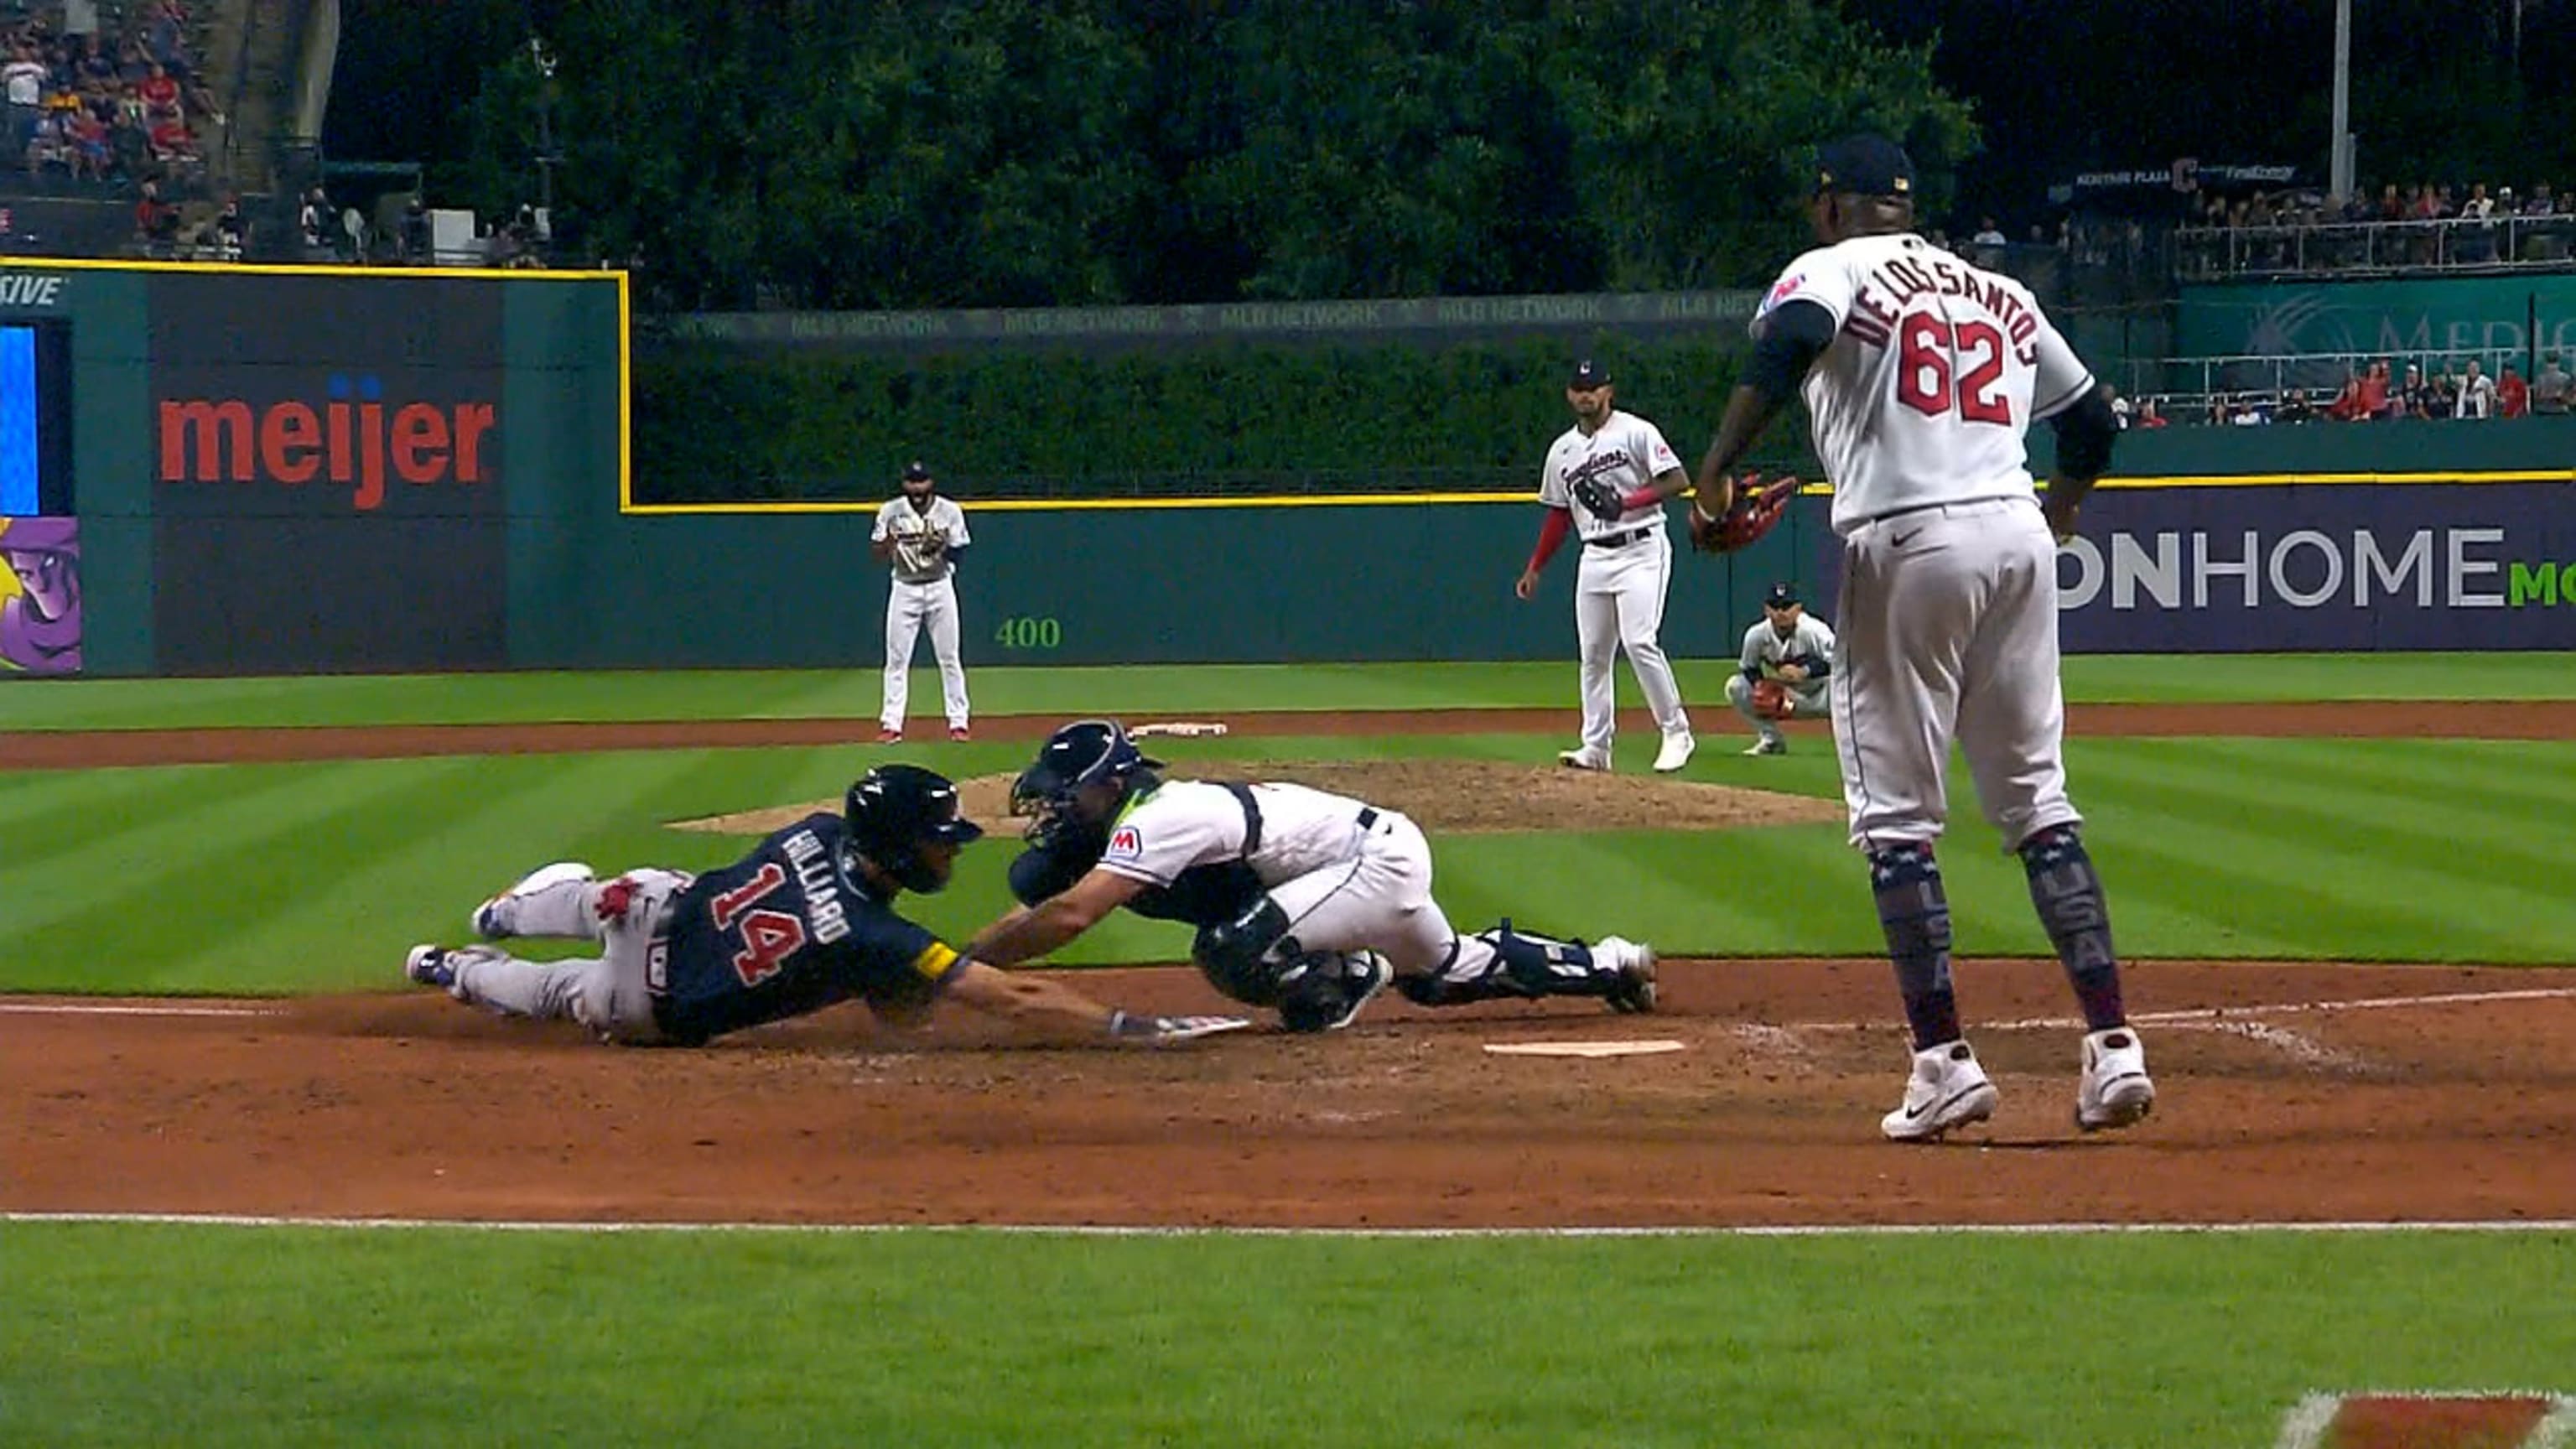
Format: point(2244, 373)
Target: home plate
point(1631, 1048)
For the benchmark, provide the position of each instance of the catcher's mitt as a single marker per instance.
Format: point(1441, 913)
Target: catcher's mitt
point(1772, 700)
point(1755, 507)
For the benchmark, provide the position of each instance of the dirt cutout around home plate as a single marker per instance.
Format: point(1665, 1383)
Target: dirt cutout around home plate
point(1444, 797)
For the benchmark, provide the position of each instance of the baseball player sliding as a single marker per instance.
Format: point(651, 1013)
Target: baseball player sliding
point(1787, 659)
point(1923, 373)
point(806, 919)
point(923, 536)
point(1606, 480)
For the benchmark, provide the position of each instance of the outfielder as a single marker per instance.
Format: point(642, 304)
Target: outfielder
point(1606, 479)
point(804, 921)
point(923, 535)
point(1923, 373)
point(1305, 901)
point(1787, 659)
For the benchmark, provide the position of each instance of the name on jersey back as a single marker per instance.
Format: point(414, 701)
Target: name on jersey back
point(1878, 303)
point(821, 884)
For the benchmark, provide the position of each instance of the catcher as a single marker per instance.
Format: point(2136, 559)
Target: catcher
point(1786, 660)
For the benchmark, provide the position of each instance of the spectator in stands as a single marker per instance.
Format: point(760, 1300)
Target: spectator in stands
point(2476, 394)
point(232, 230)
point(2442, 395)
point(90, 156)
point(2513, 395)
point(2414, 397)
point(313, 225)
point(23, 80)
point(159, 94)
point(2295, 407)
point(2364, 395)
point(2540, 203)
point(2149, 414)
point(2549, 389)
point(414, 239)
point(156, 222)
point(97, 63)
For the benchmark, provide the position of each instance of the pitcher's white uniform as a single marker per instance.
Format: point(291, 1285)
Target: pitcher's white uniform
point(1349, 876)
point(1620, 581)
point(924, 593)
point(1948, 605)
point(1809, 644)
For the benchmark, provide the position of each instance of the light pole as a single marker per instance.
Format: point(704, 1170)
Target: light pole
point(2339, 162)
point(545, 60)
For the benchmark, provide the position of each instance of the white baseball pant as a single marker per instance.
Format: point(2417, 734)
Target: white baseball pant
point(609, 993)
point(1619, 604)
point(1380, 900)
point(1948, 629)
point(908, 608)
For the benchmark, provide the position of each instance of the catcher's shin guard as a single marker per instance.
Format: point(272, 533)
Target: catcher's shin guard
point(1505, 962)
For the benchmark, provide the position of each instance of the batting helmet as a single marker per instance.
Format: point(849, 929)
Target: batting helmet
point(1085, 752)
point(894, 810)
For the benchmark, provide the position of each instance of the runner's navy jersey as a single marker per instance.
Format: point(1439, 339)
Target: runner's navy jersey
point(786, 930)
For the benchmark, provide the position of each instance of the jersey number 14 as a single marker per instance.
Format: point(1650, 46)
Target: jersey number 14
point(1928, 348)
point(768, 937)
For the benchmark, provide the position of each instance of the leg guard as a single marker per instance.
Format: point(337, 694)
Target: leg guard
point(1914, 913)
point(2067, 893)
point(1504, 962)
point(1246, 957)
point(1323, 990)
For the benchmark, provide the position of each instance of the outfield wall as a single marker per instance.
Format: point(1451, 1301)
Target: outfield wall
point(285, 470)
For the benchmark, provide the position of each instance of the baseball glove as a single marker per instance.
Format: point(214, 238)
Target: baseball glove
point(1753, 510)
point(1598, 499)
point(1772, 700)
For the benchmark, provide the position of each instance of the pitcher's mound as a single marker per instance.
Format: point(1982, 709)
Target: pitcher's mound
point(1444, 797)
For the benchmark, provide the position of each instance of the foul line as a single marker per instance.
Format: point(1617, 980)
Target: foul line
point(2367, 1003)
point(37, 1008)
point(1102, 1230)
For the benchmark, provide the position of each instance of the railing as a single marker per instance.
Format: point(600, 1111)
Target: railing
point(2384, 246)
point(2312, 372)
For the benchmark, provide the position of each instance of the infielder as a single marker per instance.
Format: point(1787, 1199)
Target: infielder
point(1305, 901)
point(1617, 467)
point(1923, 373)
point(923, 535)
point(804, 921)
point(1788, 657)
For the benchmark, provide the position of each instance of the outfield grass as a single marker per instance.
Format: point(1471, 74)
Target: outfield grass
point(217, 1336)
point(1144, 692)
point(297, 877)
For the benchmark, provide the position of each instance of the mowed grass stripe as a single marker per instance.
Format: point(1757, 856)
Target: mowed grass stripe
point(233, 1336)
point(1198, 691)
point(2308, 794)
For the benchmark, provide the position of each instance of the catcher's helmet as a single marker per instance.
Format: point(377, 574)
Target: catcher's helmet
point(894, 810)
point(1085, 752)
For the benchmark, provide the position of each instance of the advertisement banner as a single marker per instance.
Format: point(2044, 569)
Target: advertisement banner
point(40, 596)
point(2515, 316)
point(2299, 567)
point(328, 493)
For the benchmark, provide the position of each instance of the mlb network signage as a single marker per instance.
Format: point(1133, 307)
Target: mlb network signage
point(2448, 566)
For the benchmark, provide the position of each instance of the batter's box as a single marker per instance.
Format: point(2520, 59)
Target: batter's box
point(2475, 1419)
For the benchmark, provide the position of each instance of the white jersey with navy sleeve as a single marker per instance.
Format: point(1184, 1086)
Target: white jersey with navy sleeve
point(1936, 371)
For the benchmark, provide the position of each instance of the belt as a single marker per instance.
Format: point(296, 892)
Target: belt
point(1621, 539)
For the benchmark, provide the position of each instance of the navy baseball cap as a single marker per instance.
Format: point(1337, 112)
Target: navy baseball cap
point(1589, 374)
point(918, 472)
point(1865, 165)
point(1782, 596)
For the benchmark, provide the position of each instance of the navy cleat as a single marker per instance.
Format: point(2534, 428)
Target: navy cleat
point(1369, 975)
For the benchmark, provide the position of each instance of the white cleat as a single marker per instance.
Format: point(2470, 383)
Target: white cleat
point(2114, 1090)
point(1767, 745)
point(493, 920)
point(1582, 760)
point(1634, 961)
point(1676, 753)
point(1948, 1089)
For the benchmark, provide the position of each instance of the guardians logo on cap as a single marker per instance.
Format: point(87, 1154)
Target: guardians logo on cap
point(1589, 374)
point(1782, 596)
point(918, 472)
